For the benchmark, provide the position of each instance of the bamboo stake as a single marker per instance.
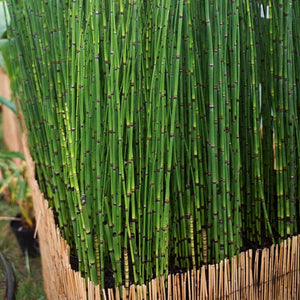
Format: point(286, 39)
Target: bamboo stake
point(281, 262)
point(257, 287)
point(170, 287)
point(251, 280)
point(162, 288)
point(276, 272)
point(178, 285)
point(144, 291)
point(298, 267)
point(266, 273)
point(189, 283)
point(289, 279)
point(227, 279)
point(132, 293)
point(211, 282)
point(198, 283)
point(242, 275)
point(202, 285)
point(271, 272)
point(234, 279)
point(221, 281)
point(294, 265)
point(261, 274)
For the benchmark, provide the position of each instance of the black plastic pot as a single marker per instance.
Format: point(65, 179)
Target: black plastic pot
point(25, 238)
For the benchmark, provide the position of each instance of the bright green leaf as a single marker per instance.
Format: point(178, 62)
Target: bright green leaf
point(5, 48)
point(4, 16)
point(8, 104)
point(4, 43)
point(2, 63)
point(11, 154)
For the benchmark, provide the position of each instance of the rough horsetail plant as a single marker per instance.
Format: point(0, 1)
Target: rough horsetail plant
point(165, 133)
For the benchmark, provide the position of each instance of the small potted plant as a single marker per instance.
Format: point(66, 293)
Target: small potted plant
point(16, 189)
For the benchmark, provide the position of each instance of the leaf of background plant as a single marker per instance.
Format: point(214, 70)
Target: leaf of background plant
point(11, 154)
point(4, 46)
point(2, 63)
point(8, 104)
point(4, 50)
point(6, 63)
point(3, 16)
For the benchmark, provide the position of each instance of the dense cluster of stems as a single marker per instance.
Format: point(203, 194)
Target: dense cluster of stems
point(165, 133)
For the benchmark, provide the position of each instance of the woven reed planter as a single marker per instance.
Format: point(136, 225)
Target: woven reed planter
point(271, 273)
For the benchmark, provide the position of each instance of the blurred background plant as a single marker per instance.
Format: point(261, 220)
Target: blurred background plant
point(12, 165)
point(15, 188)
point(27, 269)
